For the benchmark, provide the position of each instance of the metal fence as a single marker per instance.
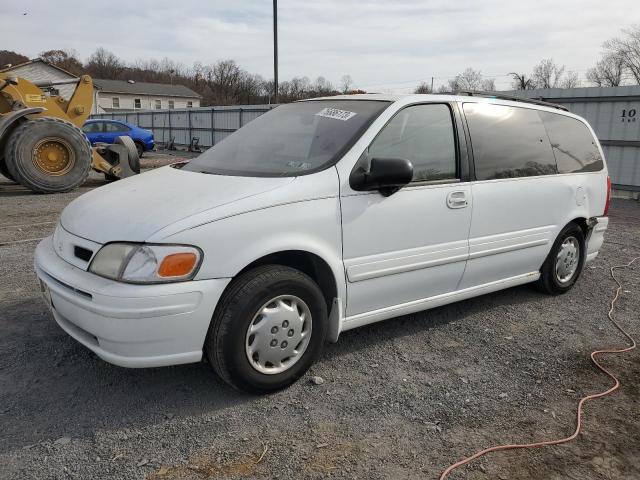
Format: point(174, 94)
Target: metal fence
point(614, 113)
point(209, 124)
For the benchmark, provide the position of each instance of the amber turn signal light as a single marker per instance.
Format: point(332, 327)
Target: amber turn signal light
point(177, 265)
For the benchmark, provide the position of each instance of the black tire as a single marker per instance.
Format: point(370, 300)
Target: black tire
point(19, 159)
point(134, 158)
point(5, 171)
point(140, 148)
point(227, 336)
point(549, 281)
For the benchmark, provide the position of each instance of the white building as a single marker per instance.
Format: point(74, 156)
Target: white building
point(40, 71)
point(130, 95)
point(110, 95)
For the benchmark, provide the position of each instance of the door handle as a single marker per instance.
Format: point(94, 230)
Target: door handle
point(457, 199)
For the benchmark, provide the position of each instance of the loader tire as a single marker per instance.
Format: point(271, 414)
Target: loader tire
point(5, 171)
point(134, 158)
point(48, 155)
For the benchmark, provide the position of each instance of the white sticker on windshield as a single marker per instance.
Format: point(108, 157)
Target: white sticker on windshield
point(338, 114)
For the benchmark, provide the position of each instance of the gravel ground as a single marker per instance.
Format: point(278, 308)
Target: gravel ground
point(400, 399)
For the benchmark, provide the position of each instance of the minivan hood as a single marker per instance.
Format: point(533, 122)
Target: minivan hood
point(135, 208)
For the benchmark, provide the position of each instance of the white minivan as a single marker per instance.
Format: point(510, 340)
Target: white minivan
point(322, 216)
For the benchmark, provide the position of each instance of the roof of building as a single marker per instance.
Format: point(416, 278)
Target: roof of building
point(36, 60)
point(144, 88)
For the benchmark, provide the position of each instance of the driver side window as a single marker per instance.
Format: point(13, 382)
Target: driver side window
point(424, 135)
point(95, 127)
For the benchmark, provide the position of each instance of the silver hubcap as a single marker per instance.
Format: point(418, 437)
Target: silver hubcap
point(567, 259)
point(278, 334)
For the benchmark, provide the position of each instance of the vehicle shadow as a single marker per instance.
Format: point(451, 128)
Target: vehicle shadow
point(374, 335)
point(51, 386)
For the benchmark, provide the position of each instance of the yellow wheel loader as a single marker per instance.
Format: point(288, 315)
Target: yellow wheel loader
point(42, 146)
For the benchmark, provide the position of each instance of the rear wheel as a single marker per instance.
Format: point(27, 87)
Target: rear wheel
point(563, 265)
point(268, 329)
point(48, 155)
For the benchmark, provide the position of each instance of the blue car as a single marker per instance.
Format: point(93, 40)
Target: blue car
point(106, 131)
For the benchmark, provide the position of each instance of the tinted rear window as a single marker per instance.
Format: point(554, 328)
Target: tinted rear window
point(573, 145)
point(508, 142)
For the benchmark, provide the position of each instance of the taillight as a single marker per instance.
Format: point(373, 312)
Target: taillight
point(608, 201)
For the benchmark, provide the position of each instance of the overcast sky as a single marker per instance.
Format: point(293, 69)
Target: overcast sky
point(383, 45)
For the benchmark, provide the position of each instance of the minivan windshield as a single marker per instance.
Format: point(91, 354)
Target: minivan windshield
point(290, 140)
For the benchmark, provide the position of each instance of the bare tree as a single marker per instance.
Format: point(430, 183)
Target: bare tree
point(489, 85)
point(198, 73)
point(423, 87)
point(570, 80)
point(627, 48)
point(345, 83)
point(547, 74)
point(221, 83)
point(9, 57)
point(322, 86)
point(472, 80)
point(66, 59)
point(607, 72)
point(104, 64)
point(300, 87)
point(522, 82)
point(225, 78)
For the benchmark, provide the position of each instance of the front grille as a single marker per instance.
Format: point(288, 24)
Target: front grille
point(66, 285)
point(82, 253)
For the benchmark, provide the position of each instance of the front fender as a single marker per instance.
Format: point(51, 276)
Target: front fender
point(9, 119)
point(232, 243)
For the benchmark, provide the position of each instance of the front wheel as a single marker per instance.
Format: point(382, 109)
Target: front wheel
point(563, 265)
point(48, 155)
point(268, 329)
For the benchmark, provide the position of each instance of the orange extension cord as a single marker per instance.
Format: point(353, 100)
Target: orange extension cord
point(616, 385)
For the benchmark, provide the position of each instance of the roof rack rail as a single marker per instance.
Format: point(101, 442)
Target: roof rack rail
point(501, 96)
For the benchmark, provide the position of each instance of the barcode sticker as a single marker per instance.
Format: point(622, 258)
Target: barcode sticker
point(337, 114)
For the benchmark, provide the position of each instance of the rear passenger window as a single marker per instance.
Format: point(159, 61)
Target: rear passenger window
point(573, 145)
point(116, 127)
point(508, 142)
point(424, 135)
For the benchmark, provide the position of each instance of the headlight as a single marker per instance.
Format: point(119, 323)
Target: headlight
point(146, 263)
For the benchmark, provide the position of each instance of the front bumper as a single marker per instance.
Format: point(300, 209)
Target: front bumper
point(128, 325)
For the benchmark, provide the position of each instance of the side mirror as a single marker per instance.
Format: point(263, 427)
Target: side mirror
point(385, 174)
